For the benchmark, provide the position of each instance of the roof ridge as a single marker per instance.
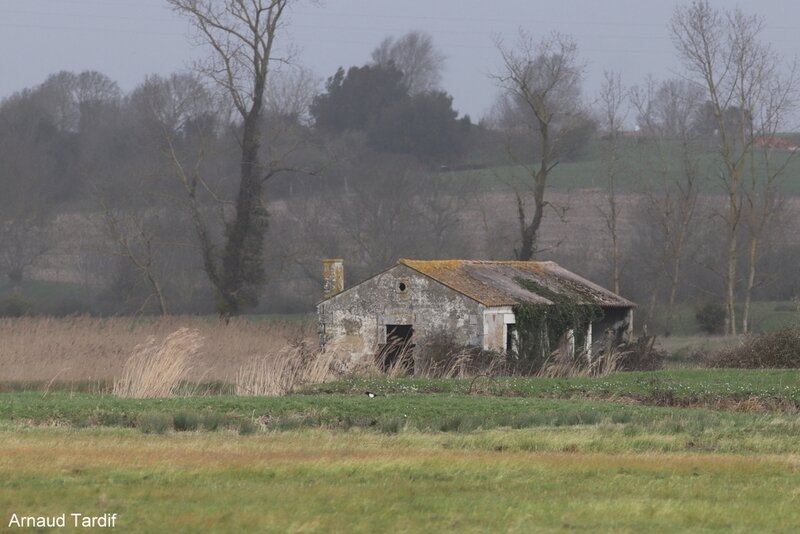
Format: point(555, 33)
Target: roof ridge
point(405, 261)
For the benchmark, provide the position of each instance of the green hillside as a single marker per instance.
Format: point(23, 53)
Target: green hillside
point(640, 167)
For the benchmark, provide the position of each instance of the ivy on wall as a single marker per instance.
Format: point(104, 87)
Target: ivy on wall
point(540, 327)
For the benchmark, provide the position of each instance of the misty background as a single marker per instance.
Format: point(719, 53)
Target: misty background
point(129, 39)
point(113, 144)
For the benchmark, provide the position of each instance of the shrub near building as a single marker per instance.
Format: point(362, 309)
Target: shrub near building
point(776, 350)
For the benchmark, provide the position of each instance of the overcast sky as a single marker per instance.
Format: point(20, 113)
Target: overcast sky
point(128, 39)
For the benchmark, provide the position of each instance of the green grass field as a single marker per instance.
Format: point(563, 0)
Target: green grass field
point(43, 297)
point(767, 316)
point(322, 481)
point(638, 170)
point(426, 404)
point(711, 450)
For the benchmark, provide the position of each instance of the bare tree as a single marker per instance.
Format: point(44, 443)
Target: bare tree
point(612, 110)
point(441, 204)
point(59, 95)
point(171, 103)
point(722, 51)
point(136, 241)
point(242, 37)
point(28, 140)
point(93, 89)
point(290, 92)
point(71, 99)
point(666, 112)
point(371, 214)
point(543, 79)
point(761, 200)
point(23, 241)
point(415, 55)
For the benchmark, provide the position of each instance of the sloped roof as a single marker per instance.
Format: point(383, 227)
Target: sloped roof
point(494, 283)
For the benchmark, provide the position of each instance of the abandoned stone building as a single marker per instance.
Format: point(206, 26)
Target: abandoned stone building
point(473, 301)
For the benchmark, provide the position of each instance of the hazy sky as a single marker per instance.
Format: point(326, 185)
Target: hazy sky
point(127, 39)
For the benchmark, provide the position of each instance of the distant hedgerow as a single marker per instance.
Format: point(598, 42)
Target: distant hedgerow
point(776, 350)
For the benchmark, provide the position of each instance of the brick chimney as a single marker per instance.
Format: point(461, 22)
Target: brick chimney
point(333, 277)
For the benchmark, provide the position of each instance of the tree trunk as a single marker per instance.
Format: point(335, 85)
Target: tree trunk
point(612, 219)
point(530, 233)
point(673, 291)
point(730, 292)
point(241, 34)
point(242, 257)
point(751, 277)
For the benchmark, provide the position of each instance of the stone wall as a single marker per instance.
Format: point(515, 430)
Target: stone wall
point(357, 317)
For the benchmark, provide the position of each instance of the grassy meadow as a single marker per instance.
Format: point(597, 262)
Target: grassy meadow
point(447, 405)
point(767, 316)
point(322, 481)
point(676, 450)
point(719, 453)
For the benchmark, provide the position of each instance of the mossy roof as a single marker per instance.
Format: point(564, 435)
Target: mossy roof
point(495, 283)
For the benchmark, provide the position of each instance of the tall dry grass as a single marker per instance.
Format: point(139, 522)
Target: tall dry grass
point(95, 349)
point(441, 356)
point(281, 372)
point(563, 365)
point(155, 369)
point(610, 357)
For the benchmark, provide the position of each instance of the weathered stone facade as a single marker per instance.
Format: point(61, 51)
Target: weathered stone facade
point(358, 317)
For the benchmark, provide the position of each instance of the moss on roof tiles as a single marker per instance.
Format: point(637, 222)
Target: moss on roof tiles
point(492, 283)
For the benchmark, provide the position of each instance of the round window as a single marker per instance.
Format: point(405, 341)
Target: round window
point(402, 286)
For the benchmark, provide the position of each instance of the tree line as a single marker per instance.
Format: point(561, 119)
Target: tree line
point(222, 188)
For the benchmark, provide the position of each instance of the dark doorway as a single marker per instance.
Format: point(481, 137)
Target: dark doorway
point(398, 346)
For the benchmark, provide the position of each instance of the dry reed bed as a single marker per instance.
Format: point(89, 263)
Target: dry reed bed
point(88, 348)
point(280, 373)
